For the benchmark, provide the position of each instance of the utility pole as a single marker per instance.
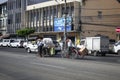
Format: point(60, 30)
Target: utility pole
point(65, 30)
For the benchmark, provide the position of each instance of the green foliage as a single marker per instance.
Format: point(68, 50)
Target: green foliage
point(25, 32)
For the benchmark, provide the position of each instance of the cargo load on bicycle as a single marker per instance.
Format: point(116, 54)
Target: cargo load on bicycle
point(48, 48)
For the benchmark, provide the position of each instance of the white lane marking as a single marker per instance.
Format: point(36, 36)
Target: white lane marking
point(53, 66)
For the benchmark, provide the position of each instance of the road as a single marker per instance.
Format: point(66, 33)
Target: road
point(16, 64)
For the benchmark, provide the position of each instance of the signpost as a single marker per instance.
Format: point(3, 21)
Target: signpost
point(118, 29)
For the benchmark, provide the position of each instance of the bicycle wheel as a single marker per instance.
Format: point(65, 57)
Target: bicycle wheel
point(63, 54)
point(73, 55)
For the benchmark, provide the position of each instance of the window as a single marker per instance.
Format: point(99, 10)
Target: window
point(10, 19)
point(18, 3)
point(30, 2)
point(99, 14)
point(18, 18)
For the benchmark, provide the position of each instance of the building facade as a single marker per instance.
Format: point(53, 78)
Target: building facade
point(101, 18)
point(46, 17)
point(3, 18)
point(87, 19)
point(16, 15)
point(31, 2)
point(83, 18)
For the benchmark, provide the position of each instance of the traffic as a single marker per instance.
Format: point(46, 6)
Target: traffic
point(89, 46)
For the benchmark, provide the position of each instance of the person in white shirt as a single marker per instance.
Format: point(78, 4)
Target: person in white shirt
point(40, 46)
point(69, 45)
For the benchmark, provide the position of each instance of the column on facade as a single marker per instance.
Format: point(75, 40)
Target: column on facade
point(31, 17)
point(46, 21)
point(60, 11)
point(36, 19)
point(48, 18)
point(76, 15)
point(40, 19)
point(30, 21)
point(52, 18)
point(26, 19)
point(36, 15)
point(44, 15)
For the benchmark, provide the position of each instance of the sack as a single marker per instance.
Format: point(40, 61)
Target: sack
point(52, 51)
point(83, 50)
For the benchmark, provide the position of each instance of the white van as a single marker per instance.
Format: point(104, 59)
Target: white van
point(6, 42)
point(16, 43)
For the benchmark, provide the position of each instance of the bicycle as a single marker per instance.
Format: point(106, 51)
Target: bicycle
point(76, 53)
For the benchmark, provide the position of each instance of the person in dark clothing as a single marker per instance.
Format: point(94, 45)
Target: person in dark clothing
point(40, 46)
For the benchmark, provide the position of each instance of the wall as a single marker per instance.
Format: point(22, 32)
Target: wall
point(100, 17)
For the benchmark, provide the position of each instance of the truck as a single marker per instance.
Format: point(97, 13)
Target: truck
point(96, 45)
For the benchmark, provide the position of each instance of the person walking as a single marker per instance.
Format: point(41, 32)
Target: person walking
point(40, 46)
point(69, 46)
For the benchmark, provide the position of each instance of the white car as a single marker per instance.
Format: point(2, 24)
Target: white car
point(17, 43)
point(6, 42)
point(116, 48)
point(31, 47)
point(25, 44)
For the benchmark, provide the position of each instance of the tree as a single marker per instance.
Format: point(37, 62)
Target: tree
point(25, 32)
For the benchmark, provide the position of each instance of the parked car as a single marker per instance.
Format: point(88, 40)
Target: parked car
point(17, 43)
point(6, 42)
point(116, 48)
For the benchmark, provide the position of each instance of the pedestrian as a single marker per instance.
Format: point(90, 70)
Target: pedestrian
point(40, 46)
point(69, 46)
point(61, 44)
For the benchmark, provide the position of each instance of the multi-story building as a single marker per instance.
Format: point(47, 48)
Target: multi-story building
point(16, 15)
point(86, 18)
point(3, 17)
point(48, 18)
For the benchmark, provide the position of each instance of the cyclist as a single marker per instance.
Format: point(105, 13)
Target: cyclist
point(40, 46)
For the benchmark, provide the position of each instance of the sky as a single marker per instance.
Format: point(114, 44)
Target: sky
point(1, 1)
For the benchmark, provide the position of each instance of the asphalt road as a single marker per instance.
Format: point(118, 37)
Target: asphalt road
point(17, 64)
